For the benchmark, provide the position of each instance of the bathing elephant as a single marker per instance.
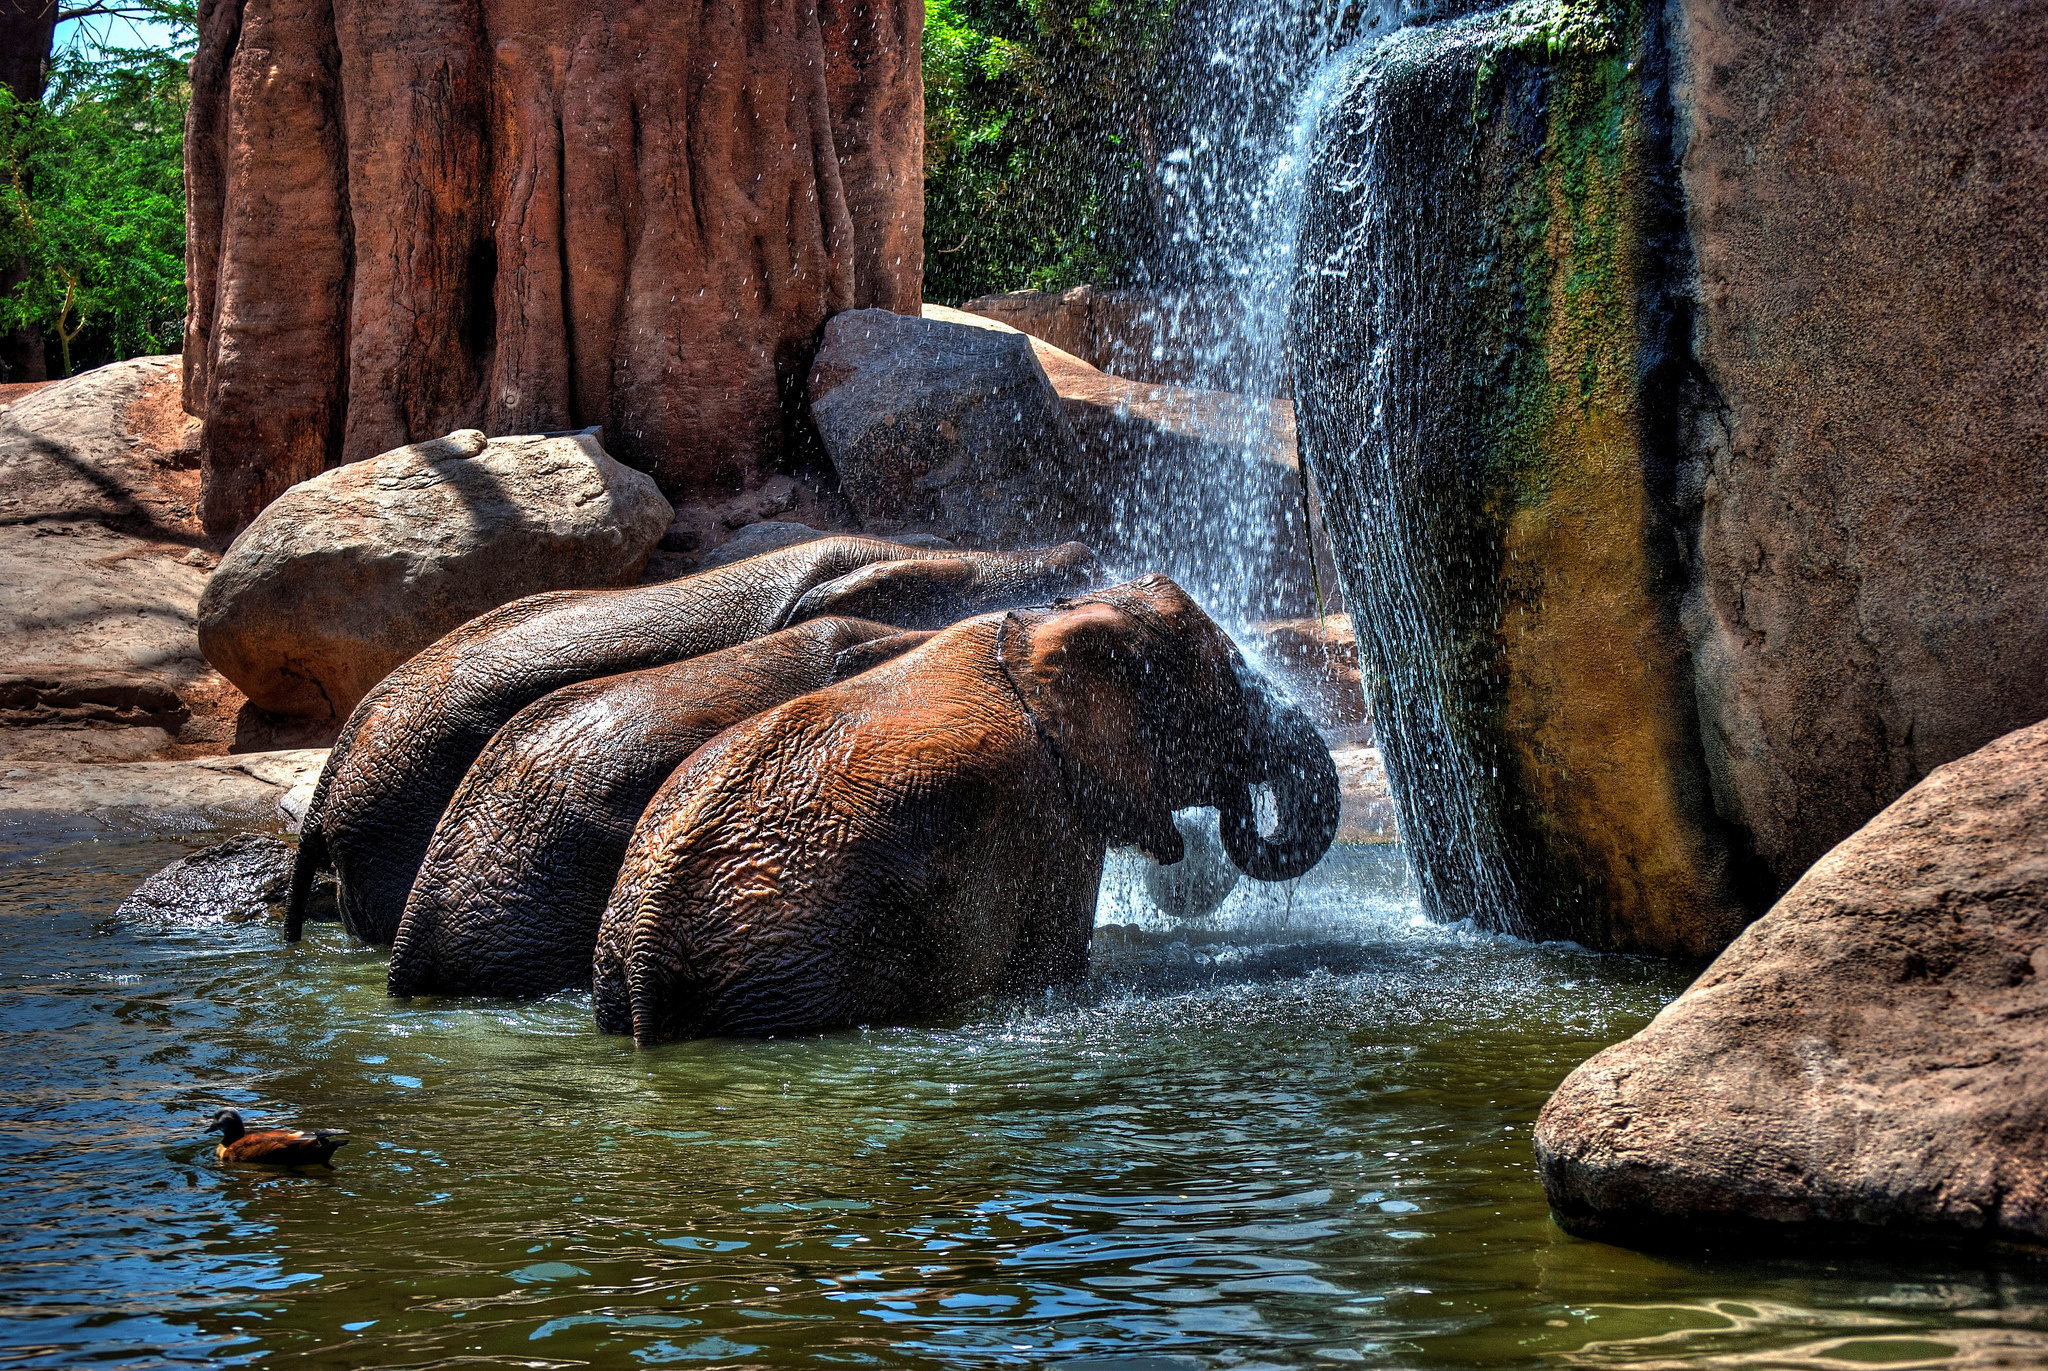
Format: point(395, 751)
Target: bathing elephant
point(508, 899)
point(408, 744)
point(935, 829)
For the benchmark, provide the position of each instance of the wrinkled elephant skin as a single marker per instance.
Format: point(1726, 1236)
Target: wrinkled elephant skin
point(406, 747)
point(508, 899)
point(935, 829)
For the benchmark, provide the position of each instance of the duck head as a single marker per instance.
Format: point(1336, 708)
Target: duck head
point(227, 1123)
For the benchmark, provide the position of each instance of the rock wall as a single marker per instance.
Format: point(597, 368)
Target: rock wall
point(1866, 484)
point(523, 217)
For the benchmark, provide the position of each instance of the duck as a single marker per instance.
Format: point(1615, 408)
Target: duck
point(273, 1146)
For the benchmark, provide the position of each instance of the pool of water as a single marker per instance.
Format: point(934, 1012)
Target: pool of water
point(1295, 1136)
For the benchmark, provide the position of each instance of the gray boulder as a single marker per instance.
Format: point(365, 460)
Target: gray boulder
point(1873, 1053)
point(345, 576)
point(948, 426)
point(243, 878)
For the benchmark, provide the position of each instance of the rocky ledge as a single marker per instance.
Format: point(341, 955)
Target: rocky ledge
point(44, 804)
point(1871, 1054)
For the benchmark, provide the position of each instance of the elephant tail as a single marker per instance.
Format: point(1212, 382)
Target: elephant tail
point(308, 863)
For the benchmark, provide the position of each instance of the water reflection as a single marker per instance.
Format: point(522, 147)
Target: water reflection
point(1297, 1137)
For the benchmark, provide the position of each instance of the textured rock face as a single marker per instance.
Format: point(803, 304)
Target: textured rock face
point(408, 219)
point(102, 575)
point(937, 423)
point(1873, 1052)
point(351, 573)
point(1869, 483)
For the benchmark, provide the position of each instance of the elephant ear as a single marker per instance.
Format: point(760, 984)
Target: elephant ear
point(1077, 671)
point(929, 592)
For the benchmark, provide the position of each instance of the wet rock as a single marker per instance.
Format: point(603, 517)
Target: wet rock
point(1477, 388)
point(385, 202)
point(1317, 661)
point(1191, 338)
point(1873, 1053)
point(1867, 476)
point(1368, 814)
point(1156, 460)
point(247, 877)
point(937, 423)
point(349, 574)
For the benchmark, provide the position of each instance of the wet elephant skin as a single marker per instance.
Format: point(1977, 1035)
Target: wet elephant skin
point(508, 899)
point(934, 829)
point(408, 744)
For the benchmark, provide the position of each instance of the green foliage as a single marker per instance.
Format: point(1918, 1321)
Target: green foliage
point(1041, 160)
point(92, 203)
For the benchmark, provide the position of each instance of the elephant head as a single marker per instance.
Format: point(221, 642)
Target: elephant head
point(1148, 707)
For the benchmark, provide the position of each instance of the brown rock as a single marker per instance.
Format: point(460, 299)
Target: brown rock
point(1864, 184)
point(89, 695)
point(1368, 814)
point(98, 601)
point(349, 574)
point(1871, 1053)
point(407, 219)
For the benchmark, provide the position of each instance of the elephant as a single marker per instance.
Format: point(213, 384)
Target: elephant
point(935, 829)
point(406, 747)
point(508, 899)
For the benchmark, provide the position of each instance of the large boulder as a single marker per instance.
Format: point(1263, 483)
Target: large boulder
point(955, 428)
point(409, 218)
point(1873, 1053)
point(347, 575)
point(1866, 481)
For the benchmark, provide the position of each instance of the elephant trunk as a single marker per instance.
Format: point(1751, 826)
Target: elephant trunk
point(1295, 763)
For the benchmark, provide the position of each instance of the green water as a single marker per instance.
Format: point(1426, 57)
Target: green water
point(1299, 1140)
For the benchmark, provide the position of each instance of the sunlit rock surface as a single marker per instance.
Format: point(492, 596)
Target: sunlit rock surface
point(43, 803)
point(406, 219)
point(1871, 1053)
point(349, 574)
